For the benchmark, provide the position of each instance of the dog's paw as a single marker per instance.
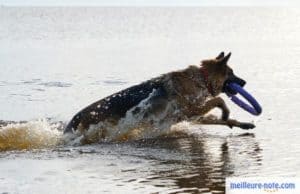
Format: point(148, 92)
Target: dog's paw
point(247, 126)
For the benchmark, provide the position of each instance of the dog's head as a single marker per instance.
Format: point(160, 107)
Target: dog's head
point(218, 74)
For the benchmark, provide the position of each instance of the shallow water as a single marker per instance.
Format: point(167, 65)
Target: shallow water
point(55, 61)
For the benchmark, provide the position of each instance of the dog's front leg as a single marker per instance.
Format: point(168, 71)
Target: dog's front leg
point(217, 102)
point(209, 120)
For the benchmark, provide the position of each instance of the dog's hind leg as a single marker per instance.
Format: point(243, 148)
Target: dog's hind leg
point(230, 122)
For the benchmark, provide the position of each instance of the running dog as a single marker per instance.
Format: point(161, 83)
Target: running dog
point(163, 101)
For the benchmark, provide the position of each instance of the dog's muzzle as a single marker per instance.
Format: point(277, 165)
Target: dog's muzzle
point(233, 79)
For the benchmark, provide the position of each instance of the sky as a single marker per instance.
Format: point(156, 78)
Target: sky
point(149, 2)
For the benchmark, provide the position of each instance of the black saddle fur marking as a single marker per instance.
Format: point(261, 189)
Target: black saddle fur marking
point(116, 105)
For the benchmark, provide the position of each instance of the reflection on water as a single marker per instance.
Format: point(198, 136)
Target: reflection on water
point(202, 163)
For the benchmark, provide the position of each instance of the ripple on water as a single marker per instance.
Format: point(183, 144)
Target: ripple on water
point(110, 81)
point(55, 84)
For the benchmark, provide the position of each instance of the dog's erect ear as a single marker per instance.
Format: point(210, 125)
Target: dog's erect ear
point(225, 59)
point(220, 56)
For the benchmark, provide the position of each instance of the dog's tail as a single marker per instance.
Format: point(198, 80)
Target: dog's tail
point(73, 124)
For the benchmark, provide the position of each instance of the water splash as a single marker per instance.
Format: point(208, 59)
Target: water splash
point(143, 121)
point(30, 135)
point(42, 133)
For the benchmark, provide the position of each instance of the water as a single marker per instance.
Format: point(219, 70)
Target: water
point(55, 61)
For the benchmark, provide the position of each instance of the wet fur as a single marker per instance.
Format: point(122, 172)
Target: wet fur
point(175, 97)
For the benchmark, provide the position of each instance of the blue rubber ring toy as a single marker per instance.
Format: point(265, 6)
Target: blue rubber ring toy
point(255, 109)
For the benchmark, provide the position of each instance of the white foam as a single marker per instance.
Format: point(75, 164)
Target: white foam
point(30, 135)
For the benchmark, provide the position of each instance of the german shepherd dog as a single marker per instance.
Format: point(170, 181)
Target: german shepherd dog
point(159, 103)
